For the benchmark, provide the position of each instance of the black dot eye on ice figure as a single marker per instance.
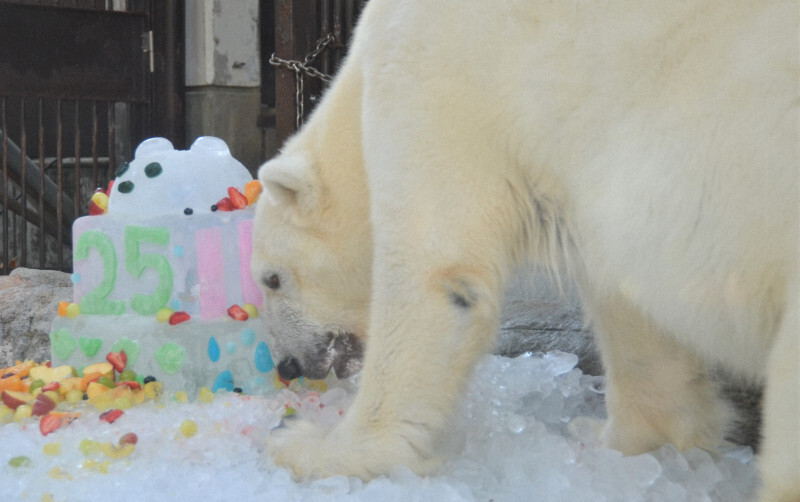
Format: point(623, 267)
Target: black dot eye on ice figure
point(273, 282)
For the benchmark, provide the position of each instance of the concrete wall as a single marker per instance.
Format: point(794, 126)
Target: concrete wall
point(223, 75)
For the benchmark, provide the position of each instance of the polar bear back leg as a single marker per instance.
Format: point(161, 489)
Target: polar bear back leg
point(657, 391)
point(780, 457)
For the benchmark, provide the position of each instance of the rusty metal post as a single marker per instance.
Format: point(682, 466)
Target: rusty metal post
point(295, 36)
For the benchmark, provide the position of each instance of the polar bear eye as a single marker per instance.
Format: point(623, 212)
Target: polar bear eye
point(273, 282)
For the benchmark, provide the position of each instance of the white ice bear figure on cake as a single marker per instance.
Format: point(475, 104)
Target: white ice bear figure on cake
point(161, 180)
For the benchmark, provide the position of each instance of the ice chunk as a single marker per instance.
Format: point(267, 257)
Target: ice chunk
point(225, 460)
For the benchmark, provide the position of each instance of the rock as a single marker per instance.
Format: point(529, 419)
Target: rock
point(28, 303)
point(543, 325)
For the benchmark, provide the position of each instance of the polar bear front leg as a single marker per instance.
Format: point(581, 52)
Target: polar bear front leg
point(441, 259)
point(657, 391)
point(423, 345)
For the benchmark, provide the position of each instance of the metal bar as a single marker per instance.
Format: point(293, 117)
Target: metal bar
point(76, 200)
point(95, 178)
point(112, 134)
point(42, 242)
point(337, 32)
point(60, 184)
point(167, 82)
point(325, 28)
point(6, 260)
point(22, 244)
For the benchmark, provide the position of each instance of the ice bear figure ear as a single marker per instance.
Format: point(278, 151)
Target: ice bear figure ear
point(290, 180)
point(152, 146)
point(210, 145)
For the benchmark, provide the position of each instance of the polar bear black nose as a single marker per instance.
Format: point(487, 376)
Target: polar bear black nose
point(289, 368)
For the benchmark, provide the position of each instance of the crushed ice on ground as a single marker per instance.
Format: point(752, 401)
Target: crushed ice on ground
point(527, 431)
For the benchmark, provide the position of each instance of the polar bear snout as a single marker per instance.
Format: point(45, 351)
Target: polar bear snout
point(341, 352)
point(289, 369)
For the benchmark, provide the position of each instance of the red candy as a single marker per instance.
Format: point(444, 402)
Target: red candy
point(111, 416)
point(237, 313)
point(129, 438)
point(237, 198)
point(132, 385)
point(118, 360)
point(225, 204)
point(54, 385)
point(178, 317)
point(54, 420)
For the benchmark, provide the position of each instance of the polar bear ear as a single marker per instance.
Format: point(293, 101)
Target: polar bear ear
point(290, 181)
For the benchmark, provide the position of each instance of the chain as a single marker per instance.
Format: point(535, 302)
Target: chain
point(304, 67)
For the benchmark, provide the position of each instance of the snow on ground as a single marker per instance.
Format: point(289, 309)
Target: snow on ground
point(518, 439)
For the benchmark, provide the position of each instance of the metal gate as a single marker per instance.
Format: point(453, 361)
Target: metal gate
point(311, 38)
point(77, 94)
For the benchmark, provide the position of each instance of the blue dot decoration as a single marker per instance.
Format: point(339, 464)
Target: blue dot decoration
point(248, 336)
point(75, 278)
point(178, 251)
point(263, 358)
point(230, 347)
point(224, 381)
point(213, 349)
point(175, 305)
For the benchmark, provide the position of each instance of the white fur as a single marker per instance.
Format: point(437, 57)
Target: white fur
point(647, 149)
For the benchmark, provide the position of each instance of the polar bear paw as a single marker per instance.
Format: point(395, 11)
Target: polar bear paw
point(310, 451)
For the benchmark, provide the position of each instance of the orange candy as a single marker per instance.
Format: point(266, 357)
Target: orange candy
point(252, 190)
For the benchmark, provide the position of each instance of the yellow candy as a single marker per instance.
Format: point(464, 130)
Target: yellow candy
point(188, 428)
point(102, 402)
point(101, 200)
point(94, 465)
point(22, 412)
point(153, 390)
point(74, 396)
point(318, 385)
point(73, 310)
point(54, 395)
point(163, 314)
point(51, 448)
point(205, 395)
point(59, 473)
point(181, 396)
point(89, 447)
point(252, 310)
point(117, 452)
point(6, 413)
point(123, 403)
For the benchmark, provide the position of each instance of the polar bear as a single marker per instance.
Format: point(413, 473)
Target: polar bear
point(648, 150)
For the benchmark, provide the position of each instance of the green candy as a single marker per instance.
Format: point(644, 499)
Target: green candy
point(170, 357)
point(104, 380)
point(131, 348)
point(20, 461)
point(90, 346)
point(36, 384)
point(62, 343)
point(127, 376)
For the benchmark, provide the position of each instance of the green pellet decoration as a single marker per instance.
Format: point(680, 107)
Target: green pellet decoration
point(126, 187)
point(153, 169)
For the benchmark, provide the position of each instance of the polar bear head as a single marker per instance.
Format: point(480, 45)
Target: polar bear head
point(312, 256)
